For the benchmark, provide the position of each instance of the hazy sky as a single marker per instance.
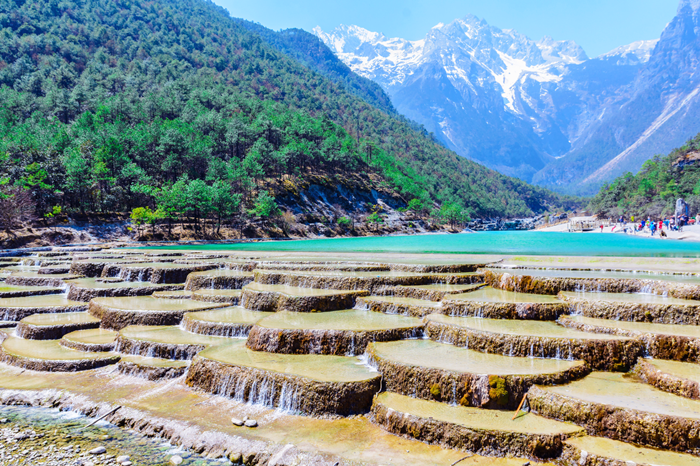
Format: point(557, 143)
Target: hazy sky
point(597, 25)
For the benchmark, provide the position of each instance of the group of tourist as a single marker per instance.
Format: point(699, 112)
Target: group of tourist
point(660, 226)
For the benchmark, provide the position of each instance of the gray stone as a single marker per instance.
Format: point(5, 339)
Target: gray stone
point(175, 460)
point(122, 459)
point(237, 422)
point(251, 423)
point(98, 450)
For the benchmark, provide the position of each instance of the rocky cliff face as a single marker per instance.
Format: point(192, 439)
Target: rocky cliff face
point(539, 110)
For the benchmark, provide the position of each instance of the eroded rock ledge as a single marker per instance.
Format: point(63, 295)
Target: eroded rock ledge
point(331, 342)
point(663, 431)
point(286, 392)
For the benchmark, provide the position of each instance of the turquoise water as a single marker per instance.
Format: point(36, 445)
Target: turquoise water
point(498, 242)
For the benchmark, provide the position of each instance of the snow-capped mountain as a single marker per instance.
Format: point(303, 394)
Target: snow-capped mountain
point(633, 54)
point(504, 54)
point(484, 91)
point(539, 110)
point(658, 110)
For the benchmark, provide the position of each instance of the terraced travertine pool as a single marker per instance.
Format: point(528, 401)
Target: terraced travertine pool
point(363, 358)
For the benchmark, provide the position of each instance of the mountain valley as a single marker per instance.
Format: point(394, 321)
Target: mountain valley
point(542, 111)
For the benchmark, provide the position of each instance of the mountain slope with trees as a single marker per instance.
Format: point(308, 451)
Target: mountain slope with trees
point(315, 55)
point(106, 105)
point(653, 191)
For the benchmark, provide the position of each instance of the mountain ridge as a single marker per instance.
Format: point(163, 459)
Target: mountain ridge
point(538, 110)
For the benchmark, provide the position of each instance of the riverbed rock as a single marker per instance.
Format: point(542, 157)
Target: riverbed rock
point(237, 422)
point(175, 460)
point(251, 423)
point(98, 450)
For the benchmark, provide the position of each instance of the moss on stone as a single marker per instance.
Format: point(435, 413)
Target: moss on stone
point(497, 390)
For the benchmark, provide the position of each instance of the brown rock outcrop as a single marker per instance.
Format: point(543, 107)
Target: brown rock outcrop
point(149, 372)
point(396, 307)
point(554, 285)
point(196, 281)
point(216, 329)
point(15, 314)
point(78, 292)
point(153, 349)
point(51, 332)
point(47, 365)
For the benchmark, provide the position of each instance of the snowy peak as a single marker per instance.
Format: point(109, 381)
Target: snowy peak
point(633, 54)
point(692, 4)
point(387, 61)
point(471, 53)
point(348, 39)
point(566, 51)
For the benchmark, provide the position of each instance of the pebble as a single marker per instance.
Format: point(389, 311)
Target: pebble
point(251, 423)
point(127, 463)
point(175, 460)
point(98, 450)
point(237, 422)
point(122, 459)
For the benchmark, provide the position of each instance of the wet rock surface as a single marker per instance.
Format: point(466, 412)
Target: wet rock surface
point(681, 381)
point(411, 307)
point(627, 418)
point(658, 342)
point(604, 307)
point(324, 341)
point(483, 384)
point(49, 437)
point(487, 433)
point(600, 353)
point(555, 285)
point(277, 351)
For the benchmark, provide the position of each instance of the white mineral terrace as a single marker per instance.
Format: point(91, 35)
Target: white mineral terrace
point(355, 358)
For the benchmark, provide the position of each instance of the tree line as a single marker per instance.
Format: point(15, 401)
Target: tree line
point(653, 191)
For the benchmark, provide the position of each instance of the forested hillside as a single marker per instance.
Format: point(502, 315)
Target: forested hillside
point(314, 54)
point(109, 105)
point(654, 190)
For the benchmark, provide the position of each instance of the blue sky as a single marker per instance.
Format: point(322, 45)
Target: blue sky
point(597, 25)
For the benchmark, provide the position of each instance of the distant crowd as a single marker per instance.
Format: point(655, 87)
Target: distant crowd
point(660, 226)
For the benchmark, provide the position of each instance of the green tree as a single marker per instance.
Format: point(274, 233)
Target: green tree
point(224, 203)
point(344, 222)
point(265, 206)
point(198, 199)
point(139, 216)
point(453, 213)
point(55, 211)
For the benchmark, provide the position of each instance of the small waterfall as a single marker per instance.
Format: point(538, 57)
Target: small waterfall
point(365, 359)
point(351, 346)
